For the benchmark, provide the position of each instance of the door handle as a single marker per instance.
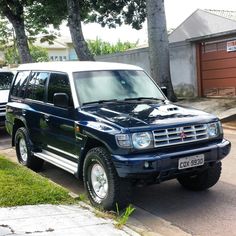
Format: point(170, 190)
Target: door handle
point(46, 117)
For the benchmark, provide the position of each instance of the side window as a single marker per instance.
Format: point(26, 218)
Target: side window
point(37, 86)
point(59, 83)
point(19, 86)
point(5, 80)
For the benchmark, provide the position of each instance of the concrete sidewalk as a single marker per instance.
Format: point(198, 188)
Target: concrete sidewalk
point(56, 220)
point(223, 108)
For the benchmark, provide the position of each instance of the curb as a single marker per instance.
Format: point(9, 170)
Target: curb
point(228, 118)
point(229, 127)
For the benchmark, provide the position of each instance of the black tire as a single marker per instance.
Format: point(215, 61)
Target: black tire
point(119, 190)
point(25, 157)
point(203, 180)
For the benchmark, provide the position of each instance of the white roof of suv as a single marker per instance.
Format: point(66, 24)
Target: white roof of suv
point(74, 66)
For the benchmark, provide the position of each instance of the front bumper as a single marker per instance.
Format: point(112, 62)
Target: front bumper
point(164, 165)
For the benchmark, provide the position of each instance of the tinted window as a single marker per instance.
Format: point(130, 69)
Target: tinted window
point(37, 86)
point(58, 83)
point(20, 82)
point(5, 80)
point(93, 86)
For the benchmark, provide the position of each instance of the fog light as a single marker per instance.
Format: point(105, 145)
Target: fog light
point(146, 164)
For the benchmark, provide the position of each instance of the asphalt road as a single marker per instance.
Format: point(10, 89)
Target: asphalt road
point(5, 141)
point(168, 208)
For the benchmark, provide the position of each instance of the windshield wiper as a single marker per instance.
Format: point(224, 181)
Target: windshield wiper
point(100, 101)
point(144, 98)
point(124, 100)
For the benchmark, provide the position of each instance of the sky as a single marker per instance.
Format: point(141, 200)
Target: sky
point(176, 12)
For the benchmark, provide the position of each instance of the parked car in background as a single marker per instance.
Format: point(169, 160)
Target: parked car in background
point(111, 125)
point(5, 83)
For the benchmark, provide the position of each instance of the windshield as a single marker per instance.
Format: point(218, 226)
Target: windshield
point(93, 86)
point(5, 80)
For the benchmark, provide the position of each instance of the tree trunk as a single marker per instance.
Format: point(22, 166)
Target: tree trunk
point(22, 43)
point(159, 46)
point(74, 23)
point(15, 15)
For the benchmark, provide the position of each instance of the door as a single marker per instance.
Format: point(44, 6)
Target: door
point(59, 133)
point(218, 69)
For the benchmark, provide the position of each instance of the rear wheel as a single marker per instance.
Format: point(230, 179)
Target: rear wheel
point(203, 180)
point(24, 150)
point(104, 187)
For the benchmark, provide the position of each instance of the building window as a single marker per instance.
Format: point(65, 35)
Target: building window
point(214, 47)
point(51, 58)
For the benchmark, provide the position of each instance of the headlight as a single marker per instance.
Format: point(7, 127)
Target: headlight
point(123, 140)
point(212, 130)
point(142, 140)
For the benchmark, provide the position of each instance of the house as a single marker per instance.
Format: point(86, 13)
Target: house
point(205, 44)
point(61, 50)
point(2, 58)
point(202, 55)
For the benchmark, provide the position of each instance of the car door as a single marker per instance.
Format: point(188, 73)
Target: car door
point(59, 133)
point(35, 109)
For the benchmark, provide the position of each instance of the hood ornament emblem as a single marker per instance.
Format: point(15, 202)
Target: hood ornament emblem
point(181, 133)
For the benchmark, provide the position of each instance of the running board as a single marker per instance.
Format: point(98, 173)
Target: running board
point(58, 161)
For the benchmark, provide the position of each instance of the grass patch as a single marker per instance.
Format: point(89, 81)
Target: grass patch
point(123, 217)
point(21, 186)
point(120, 217)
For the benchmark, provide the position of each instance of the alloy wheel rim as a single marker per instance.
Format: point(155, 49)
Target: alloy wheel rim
point(99, 181)
point(23, 149)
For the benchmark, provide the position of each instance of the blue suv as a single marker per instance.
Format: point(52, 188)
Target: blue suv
point(112, 126)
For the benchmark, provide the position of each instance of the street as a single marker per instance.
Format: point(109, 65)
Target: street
point(211, 212)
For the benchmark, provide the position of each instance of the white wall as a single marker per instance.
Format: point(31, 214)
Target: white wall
point(182, 65)
point(58, 53)
point(138, 57)
point(183, 68)
point(2, 58)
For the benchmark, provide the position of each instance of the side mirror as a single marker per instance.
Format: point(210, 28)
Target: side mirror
point(164, 90)
point(61, 100)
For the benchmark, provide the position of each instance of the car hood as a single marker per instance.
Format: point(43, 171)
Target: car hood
point(143, 114)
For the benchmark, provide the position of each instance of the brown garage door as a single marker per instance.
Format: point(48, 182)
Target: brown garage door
point(218, 69)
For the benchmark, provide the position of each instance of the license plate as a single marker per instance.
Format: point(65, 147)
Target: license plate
point(192, 161)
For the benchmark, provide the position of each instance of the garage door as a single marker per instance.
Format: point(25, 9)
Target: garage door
point(218, 69)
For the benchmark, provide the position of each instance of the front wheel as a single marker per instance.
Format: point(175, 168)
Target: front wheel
point(104, 187)
point(24, 150)
point(202, 180)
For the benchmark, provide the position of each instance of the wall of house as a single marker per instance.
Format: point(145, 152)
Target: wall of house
point(182, 64)
point(138, 57)
point(71, 52)
point(183, 69)
point(2, 57)
point(58, 54)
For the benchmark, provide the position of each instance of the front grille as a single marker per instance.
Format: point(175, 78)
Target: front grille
point(180, 135)
point(3, 107)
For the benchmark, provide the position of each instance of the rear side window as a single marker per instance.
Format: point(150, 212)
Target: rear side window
point(37, 86)
point(59, 83)
point(5, 80)
point(19, 86)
